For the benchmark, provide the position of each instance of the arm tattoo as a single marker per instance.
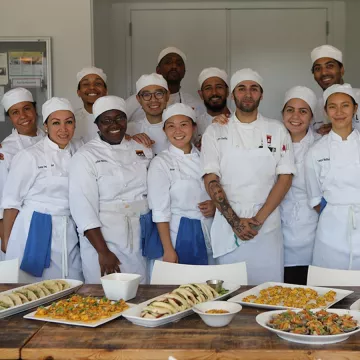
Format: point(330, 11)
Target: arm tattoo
point(218, 195)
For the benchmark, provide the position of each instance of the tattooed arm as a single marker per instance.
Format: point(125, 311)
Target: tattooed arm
point(240, 226)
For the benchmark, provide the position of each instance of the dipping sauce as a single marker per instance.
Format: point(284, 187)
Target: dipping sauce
point(216, 311)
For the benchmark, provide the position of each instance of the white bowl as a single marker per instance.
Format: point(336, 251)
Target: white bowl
point(120, 285)
point(217, 320)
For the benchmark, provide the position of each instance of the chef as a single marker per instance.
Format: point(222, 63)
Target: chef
point(332, 171)
point(214, 92)
point(181, 208)
point(153, 96)
point(328, 69)
point(298, 219)
point(108, 193)
point(38, 228)
point(91, 86)
point(171, 65)
point(20, 107)
point(248, 166)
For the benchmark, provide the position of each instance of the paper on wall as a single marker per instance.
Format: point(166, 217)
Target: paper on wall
point(2, 110)
point(4, 76)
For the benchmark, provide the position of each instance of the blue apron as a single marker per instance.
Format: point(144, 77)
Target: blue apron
point(150, 240)
point(190, 243)
point(37, 253)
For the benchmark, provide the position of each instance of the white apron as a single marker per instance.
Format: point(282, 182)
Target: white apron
point(249, 174)
point(298, 220)
point(120, 226)
point(337, 243)
point(65, 253)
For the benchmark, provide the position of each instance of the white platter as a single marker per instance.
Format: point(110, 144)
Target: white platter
point(74, 285)
point(133, 314)
point(340, 294)
point(262, 320)
point(93, 324)
point(355, 306)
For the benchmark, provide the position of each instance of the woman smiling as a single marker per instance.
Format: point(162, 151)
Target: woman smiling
point(181, 207)
point(333, 172)
point(37, 224)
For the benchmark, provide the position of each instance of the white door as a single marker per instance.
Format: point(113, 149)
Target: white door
point(200, 34)
point(277, 44)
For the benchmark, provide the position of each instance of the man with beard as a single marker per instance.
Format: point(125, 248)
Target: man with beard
point(153, 95)
point(91, 86)
point(214, 91)
point(171, 65)
point(248, 165)
point(328, 69)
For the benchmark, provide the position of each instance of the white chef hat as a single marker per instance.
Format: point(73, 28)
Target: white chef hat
point(91, 70)
point(15, 96)
point(179, 109)
point(212, 72)
point(337, 88)
point(109, 102)
point(55, 104)
point(245, 74)
point(303, 93)
point(326, 51)
point(171, 50)
point(151, 79)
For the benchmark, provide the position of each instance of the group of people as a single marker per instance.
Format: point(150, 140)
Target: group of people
point(162, 175)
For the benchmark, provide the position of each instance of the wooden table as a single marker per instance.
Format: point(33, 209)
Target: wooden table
point(187, 339)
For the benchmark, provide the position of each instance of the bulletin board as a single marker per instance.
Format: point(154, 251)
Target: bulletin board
point(25, 62)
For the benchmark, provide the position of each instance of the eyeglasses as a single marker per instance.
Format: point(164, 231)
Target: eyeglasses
point(148, 95)
point(117, 120)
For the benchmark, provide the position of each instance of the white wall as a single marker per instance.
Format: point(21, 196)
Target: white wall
point(341, 35)
point(68, 22)
point(352, 44)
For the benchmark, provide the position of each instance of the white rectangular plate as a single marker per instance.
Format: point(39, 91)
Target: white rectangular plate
point(133, 314)
point(74, 285)
point(92, 324)
point(263, 318)
point(340, 294)
point(355, 305)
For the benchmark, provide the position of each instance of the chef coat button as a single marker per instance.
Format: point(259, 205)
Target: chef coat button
point(134, 162)
point(125, 185)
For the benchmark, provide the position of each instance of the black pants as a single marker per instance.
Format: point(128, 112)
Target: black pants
point(296, 275)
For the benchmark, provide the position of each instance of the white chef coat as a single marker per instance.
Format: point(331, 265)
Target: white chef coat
point(135, 111)
point(86, 129)
point(10, 147)
point(154, 131)
point(332, 171)
point(320, 117)
point(108, 190)
point(298, 219)
point(248, 158)
point(175, 188)
point(38, 181)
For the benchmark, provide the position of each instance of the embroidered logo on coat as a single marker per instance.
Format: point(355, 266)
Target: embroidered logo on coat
point(140, 153)
point(324, 159)
point(100, 161)
point(222, 138)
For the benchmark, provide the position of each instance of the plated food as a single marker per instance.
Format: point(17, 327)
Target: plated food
point(306, 322)
point(272, 295)
point(137, 316)
point(296, 297)
point(311, 327)
point(182, 298)
point(31, 292)
point(36, 294)
point(79, 308)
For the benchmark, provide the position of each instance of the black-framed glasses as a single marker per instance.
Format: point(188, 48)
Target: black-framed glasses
point(108, 121)
point(148, 95)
